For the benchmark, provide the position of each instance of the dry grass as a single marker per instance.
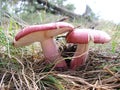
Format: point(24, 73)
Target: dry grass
point(100, 72)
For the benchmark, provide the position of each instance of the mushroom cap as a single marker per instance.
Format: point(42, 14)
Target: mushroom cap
point(83, 36)
point(38, 33)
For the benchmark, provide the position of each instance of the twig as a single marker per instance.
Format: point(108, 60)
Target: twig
point(82, 81)
point(111, 72)
point(1, 82)
point(63, 19)
point(95, 85)
point(75, 79)
point(112, 65)
point(110, 79)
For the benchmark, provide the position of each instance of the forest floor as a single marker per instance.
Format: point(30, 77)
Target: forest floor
point(100, 72)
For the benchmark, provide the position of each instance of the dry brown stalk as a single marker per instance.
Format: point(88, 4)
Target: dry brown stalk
point(111, 72)
point(76, 80)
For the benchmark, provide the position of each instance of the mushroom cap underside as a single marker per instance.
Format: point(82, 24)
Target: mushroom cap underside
point(52, 28)
point(39, 33)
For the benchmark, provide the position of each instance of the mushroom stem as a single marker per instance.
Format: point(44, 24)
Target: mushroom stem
point(51, 53)
point(80, 56)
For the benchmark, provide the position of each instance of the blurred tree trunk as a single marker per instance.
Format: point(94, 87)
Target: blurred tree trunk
point(57, 10)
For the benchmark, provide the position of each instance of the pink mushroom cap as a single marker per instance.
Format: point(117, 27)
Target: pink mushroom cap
point(83, 36)
point(44, 30)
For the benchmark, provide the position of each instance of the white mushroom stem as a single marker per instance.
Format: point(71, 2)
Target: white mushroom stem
point(51, 53)
point(49, 49)
point(80, 56)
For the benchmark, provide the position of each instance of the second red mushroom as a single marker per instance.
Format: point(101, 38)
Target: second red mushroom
point(82, 37)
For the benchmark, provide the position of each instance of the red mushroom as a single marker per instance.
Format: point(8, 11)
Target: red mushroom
point(82, 37)
point(44, 34)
